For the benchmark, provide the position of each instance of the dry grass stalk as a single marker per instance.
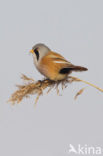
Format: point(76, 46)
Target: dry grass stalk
point(79, 93)
point(86, 82)
point(32, 87)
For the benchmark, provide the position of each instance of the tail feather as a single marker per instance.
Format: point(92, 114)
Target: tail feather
point(79, 68)
point(69, 69)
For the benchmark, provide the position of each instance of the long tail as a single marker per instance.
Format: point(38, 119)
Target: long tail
point(79, 68)
point(71, 68)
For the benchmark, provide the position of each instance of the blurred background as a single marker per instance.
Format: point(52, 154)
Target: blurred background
point(74, 29)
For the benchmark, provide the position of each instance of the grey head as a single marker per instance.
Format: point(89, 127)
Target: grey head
point(39, 51)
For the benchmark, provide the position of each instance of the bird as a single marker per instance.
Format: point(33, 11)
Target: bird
point(51, 64)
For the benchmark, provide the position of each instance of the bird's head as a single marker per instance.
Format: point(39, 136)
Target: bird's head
point(39, 51)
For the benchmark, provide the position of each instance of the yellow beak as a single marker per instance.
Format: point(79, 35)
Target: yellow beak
point(31, 51)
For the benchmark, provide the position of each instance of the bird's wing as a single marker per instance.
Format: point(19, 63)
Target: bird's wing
point(53, 63)
point(57, 58)
point(66, 66)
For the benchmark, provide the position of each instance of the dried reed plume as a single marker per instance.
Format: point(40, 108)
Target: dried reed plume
point(32, 87)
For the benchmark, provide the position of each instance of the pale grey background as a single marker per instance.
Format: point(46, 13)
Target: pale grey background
point(73, 28)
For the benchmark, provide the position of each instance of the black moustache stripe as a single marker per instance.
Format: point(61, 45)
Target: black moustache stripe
point(37, 54)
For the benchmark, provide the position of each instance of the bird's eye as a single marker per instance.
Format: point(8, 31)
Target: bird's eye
point(36, 53)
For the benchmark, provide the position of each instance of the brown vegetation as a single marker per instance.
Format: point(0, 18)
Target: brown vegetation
point(32, 87)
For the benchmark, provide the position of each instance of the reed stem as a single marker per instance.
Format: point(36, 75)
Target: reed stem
point(86, 82)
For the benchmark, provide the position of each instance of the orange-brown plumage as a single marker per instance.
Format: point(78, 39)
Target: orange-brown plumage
point(51, 69)
point(51, 64)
